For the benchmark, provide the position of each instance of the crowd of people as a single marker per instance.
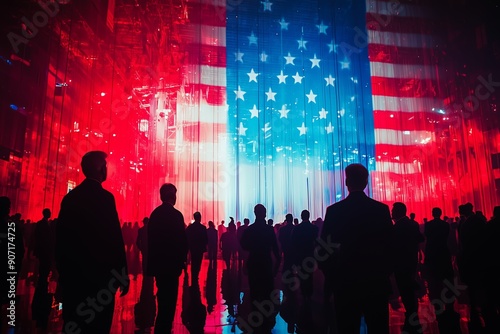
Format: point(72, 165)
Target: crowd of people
point(367, 253)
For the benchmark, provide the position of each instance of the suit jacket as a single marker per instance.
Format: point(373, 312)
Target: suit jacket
point(167, 241)
point(407, 238)
point(89, 241)
point(197, 238)
point(363, 229)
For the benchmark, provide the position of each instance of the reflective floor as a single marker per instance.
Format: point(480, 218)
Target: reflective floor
point(217, 306)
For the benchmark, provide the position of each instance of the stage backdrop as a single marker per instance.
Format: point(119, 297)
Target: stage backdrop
point(244, 101)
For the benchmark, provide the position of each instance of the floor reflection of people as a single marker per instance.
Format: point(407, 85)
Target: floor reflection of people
point(230, 291)
point(194, 312)
point(211, 286)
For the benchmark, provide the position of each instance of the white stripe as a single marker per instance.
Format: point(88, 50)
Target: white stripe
point(402, 71)
point(204, 191)
point(205, 151)
point(403, 104)
point(401, 39)
point(403, 138)
point(205, 75)
point(203, 34)
point(397, 167)
point(386, 9)
point(202, 112)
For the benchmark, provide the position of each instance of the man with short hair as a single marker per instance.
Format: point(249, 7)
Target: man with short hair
point(167, 255)
point(197, 241)
point(90, 254)
point(358, 233)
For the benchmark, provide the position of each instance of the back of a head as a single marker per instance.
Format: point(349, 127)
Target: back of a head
point(231, 227)
point(46, 213)
point(289, 218)
point(436, 213)
point(211, 224)
point(356, 177)
point(197, 216)
point(496, 212)
point(4, 206)
point(412, 216)
point(168, 193)
point(246, 221)
point(304, 215)
point(270, 222)
point(260, 211)
point(93, 163)
point(466, 209)
point(145, 220)
point(398, 210)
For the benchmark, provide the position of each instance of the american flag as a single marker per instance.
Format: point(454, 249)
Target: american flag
point(280, 96)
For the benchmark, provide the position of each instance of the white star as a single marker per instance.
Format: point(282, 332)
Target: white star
point(302, 129)
point(341, 112)
point(242, 130)
point(315, 61)
point(289, 59)
point(302, 43)
point(267, 5)
point(344, 64)
point(297, 78)
point(322, 28)
point(263, 57)
point(283, 111)
point(252, 76)
point(283, 24)
point(254, 112)
point(322, 113)
point(282, 78)
point(238, 56)
point(239, 94)
point(332, 47)
point(311, 97)
point(329, 128)
point(330, 80)
point(266, 127)
point(270, 95)
point(252, 39)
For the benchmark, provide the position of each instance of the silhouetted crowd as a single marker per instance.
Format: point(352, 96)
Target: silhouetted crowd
point(368, 257)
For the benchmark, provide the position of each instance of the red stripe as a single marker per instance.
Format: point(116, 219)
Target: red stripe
point(403, 87)
point(407, 154)
point(400, 24)
point(395, 55)
point(420, 121)
point(203, 132)
point(214, 95)
point(206, 55)
point(207, 14)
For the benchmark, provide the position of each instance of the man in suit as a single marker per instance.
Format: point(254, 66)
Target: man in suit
point(168, 249)
point(197, 241)
point(359, 231)
point(90, 254)
point(407, 238)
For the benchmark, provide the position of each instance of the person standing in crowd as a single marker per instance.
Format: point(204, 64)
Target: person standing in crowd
point(260, 242)
point(242, 254)
point(229, 244)
point(212, 237)
point(285, 237)
point(197, 242)
point(492, 309)
point(44, 248)
point(471, 260)
point(359, 234)
point(407, 238)
point(303, 243)
point(167, 255)
point(90, 253)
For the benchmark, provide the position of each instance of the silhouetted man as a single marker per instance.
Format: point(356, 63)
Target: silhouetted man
point(358, 230)
point(242, 254)
point(492, 309)
point(212, 242)
point(197, 242)
point(407, 238)
point(44, 250)
point(168, 249)
point(285, 238)
point(260, 242)
point(471, 259)
point(303, 242)
point(90, 253)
